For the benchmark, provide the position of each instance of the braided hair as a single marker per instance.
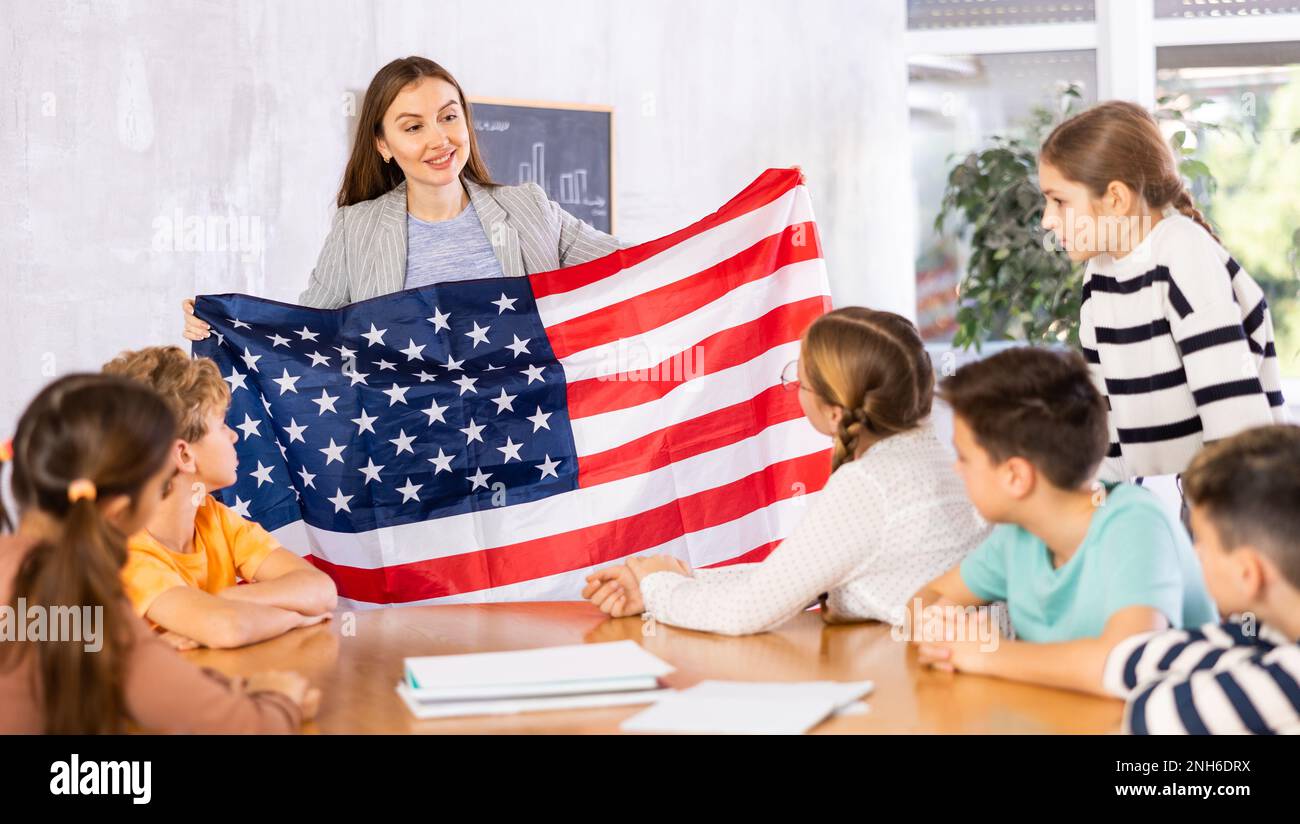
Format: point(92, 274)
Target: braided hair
point(873, 366)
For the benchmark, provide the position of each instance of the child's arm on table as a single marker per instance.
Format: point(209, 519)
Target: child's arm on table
point(222, 622)
point(615, 589)
point(1077, 665)
point(286, 581)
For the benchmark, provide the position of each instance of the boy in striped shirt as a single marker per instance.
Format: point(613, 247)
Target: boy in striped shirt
point(1243, 675)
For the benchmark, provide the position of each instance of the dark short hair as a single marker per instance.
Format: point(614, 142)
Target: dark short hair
point(1248, 486)
point(1036, 404)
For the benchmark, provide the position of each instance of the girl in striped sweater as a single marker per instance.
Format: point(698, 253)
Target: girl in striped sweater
point(1178, 336)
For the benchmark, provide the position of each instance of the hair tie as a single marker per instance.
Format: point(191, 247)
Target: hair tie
point(7, 450)
point(81, 488)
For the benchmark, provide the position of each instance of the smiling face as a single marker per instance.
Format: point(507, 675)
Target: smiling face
point(425, 133)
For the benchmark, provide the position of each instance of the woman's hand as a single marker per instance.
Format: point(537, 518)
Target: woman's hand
point(641, 567)
point(195, 329)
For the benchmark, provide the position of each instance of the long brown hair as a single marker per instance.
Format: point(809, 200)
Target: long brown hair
point(874, 366)
point(367, 175)
point(116, 433)
point(1118, 140)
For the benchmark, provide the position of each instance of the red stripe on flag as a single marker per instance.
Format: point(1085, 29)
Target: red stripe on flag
point(528, 560)
point(769, 186)
point(650, 310)
point(710, 431)
point(728, 348)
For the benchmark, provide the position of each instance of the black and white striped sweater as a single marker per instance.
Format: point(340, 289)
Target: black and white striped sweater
point(1180, 342)
point(1233, 677)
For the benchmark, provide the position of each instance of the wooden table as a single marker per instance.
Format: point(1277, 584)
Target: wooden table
point(356, 659)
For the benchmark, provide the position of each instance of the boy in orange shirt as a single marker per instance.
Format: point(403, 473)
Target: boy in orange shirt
point(182, 569)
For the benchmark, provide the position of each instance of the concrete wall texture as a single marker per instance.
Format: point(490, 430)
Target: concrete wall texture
point(150, 152)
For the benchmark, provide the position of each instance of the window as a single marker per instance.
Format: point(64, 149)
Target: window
point(976, 66)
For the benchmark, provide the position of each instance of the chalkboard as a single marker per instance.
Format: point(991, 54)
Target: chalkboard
point(567, 149)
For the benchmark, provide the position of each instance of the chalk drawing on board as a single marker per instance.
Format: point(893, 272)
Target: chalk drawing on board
point(566, 149)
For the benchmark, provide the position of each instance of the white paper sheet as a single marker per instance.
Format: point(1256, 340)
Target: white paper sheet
point(759, 708)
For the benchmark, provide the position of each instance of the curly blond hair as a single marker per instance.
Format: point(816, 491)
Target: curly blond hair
point(192, 387)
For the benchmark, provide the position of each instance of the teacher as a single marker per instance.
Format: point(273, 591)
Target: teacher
point(418, 206)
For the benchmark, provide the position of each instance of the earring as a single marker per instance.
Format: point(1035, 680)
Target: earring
point(387, 158)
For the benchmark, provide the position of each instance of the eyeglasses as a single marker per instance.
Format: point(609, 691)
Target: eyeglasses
point(790, 376)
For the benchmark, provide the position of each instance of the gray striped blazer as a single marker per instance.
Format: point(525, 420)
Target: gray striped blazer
point(364, 255)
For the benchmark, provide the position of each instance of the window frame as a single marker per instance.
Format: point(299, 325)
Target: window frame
point(1125, 36)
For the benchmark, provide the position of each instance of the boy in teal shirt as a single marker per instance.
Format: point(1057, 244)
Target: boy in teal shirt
point(1081, 566)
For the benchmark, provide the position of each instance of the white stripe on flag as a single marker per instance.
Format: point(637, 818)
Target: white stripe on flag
point(687, 258)
point(700, 396)
point(745, 303)
point(583, 507)
point(702, 548)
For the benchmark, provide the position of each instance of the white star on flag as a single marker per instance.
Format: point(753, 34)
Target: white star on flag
point(442, 463)
point(263, 474)
point(295, 431)
point(548, 467)
point(365, 422)
point(333, 452)
point(408, 491)
point(375, 336)
point(340, 502)
point(397, 394)
point(504, 401)
point(519, 347)
point(478, 334)
point(540, 420)
point(510, 450)
point(249, 426)
point(326, 401)
point(473, 432)
point(439, 320)
point(413, 352)
point(288, 382)
point(403, 442)
point(370, 470)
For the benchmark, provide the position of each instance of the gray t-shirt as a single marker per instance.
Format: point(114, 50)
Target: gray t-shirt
point(456, 249)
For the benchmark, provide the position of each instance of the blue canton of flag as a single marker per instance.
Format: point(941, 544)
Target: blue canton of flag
point(424, 403)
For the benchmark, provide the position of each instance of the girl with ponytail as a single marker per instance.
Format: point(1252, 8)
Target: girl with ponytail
point(893, 511)
point(89, 466)
point(1178, 337)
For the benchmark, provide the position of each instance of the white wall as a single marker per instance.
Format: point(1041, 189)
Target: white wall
point(118, 117)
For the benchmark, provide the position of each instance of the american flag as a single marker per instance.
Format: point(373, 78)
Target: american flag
point(497, 439)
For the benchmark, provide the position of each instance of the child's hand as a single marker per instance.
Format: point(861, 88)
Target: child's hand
point(975, 639)
point(195, 329)
point(641, 567)
point(289, 684)
point(177, 641)
point(312, 620)
point(614, 591)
